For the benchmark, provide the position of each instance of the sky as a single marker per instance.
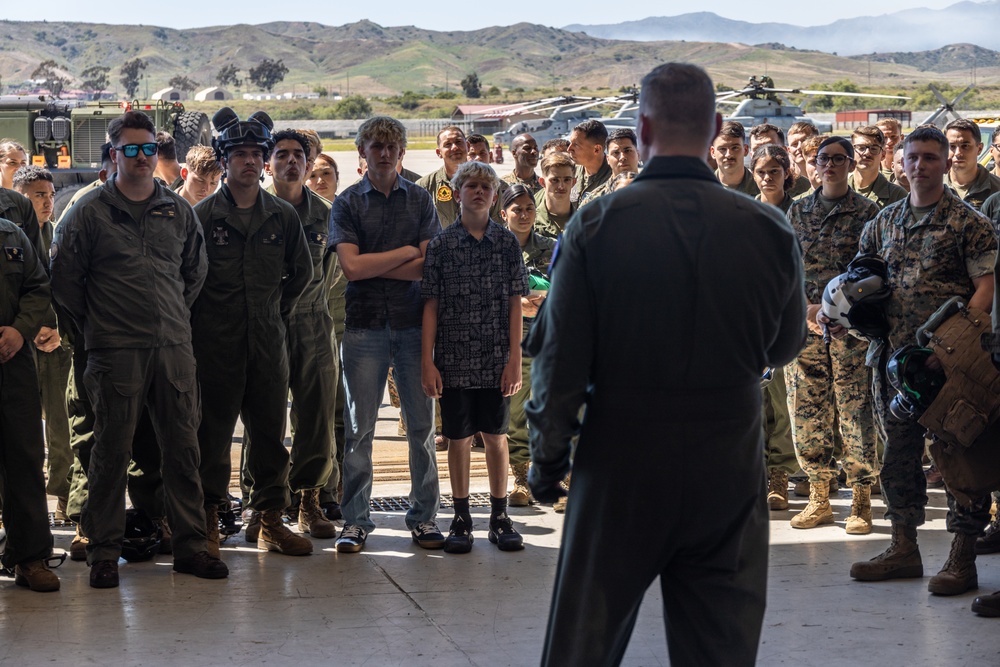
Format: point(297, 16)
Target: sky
point(433, 16)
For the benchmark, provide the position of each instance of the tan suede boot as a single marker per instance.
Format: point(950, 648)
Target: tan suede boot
point(312, 520)
point(959, 572)
point(520, 495)
point(275, 536)
point(818, 511)
point(78, 547)
point(559, 506)
point(860, 521)
point(37, 576)
point(777, 490)
point(900, 561)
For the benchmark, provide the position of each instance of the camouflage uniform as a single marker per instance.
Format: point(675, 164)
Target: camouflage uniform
point(537, 253)
point(446, 199)
point(881, 191)
point(828, 386)
point(531, 183)
point(930, 260)
point(984, 185)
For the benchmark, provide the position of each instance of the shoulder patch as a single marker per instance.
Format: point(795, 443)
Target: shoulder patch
point(444, 193)
point(316, 238)
point(14, 253)
point(165, 211)
point(273, 239)
point(220, 235)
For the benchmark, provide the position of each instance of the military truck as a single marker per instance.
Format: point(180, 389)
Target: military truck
point(65, 136)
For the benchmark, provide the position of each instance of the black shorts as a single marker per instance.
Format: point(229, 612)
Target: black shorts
point(465, 412)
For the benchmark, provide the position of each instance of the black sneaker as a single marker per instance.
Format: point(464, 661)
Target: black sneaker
point(427, 535)
point(351, 540)
point(459, 540)
point(503, 535)
point(201, 565)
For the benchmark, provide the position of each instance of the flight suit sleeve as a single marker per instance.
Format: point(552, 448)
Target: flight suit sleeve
point(560, 372)
point(26, 213)
point(36, 294)
point(298, 265)
point(194, 263)
point(70, 257)
point(792, 324)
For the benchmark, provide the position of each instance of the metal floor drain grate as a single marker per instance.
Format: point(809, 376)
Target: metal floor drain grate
point(402, 503)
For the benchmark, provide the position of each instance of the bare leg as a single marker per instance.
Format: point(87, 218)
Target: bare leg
point(497, 460)
point(459, 452)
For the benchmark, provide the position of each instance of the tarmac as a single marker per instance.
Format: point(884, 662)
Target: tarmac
point(397, 604)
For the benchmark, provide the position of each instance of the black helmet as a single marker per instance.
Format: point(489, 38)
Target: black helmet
point(254, 131)
point(916, 384)
point(856, 298)
point(142, 536)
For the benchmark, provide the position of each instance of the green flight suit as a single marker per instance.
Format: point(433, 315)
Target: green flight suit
point(747, 186)
point(17, 208)
point(881, 191)
point(338, 311)
point(549, 224)
point(586, 184)
point(537, 253)
point(24, 303)
point(239, 326)
point(982, 187)
point(446, 199)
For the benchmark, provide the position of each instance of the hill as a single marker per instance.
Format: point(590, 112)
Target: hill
point(917, 29)
point(365, 58)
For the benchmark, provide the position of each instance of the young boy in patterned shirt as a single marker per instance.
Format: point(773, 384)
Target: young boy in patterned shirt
point(474, 278)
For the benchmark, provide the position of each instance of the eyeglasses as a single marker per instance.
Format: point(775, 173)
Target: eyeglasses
point(131, 150)
point(867, 148)
point(996, 146)
point(836, 160)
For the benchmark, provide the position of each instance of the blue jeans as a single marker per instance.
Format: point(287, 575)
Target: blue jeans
point(366, 355)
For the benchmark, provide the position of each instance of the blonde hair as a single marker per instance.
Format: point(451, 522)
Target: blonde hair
point(201, 160)
point(383, 128)
point(473, 169)
point(553, 160)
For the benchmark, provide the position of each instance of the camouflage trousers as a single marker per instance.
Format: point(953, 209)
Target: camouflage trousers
point(828, 391)
point(904, 486)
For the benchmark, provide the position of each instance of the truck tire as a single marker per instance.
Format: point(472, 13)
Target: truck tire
point(192, 129)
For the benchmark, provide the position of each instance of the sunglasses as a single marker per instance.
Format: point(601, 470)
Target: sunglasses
point(131, 150)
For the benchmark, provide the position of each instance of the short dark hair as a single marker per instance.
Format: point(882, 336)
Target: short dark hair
point(872, 132)
point(623, 133)
point(928, 133)
point(477, 139)
point(780, 155)
point(594, 130)
point(733, 130)
point(130, 120)
point(966, 125)
point(29, 174)
point(450, 128)
point(292, 135)
point(767, 128)
point(559, 144)
point(165, 146)
point(512, 193)
point(106, 153)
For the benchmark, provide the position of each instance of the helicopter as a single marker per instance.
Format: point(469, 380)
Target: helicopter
point(763, 104)
point(567, 112)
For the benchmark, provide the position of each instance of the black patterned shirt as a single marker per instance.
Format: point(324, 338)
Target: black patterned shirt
point(473, 281)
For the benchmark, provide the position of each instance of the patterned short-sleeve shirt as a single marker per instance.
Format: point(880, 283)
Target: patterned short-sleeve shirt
point(473, 281)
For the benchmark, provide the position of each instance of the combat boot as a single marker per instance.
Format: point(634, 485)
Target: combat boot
point(78, 547)
point(212, 531)
point(959, 572)
point(36, 576)
point(777, 490)
point(275, 536)
point(166, 536)
point(520, 495)
point(559, 506)
point(251, 525)
point(860, 521)
point(989, 543)
point(312, 520)
point(900, 561)
point(818, 511)
point(60, 518)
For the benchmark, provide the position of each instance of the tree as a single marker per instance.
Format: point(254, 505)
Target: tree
point(47, 74)
point(470, 84)
point(229, 75)
point(131, 73)
point(183, 83)
point(352, 107)
point(95, 79)
point(268, 74)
